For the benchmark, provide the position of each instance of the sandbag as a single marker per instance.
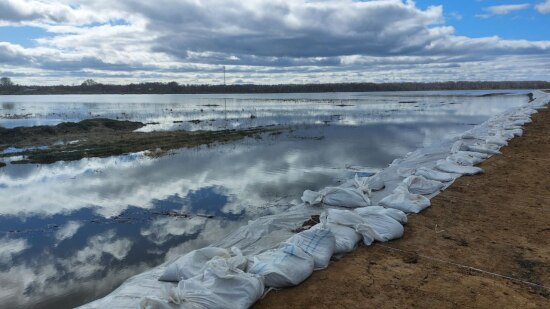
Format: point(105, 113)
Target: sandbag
point(450, 167)
point(484, 148)
point(496, 140)
point(515, 132)
point(337, 196)
point(475, 154)
point(283, 267)
point(464, 158)
point(369, 184)
point(421, 185)
point(434, 175)
point(458, 146)
point(405, 201)
point(346, 238)
point(396, 214)
point(350, 220)
point(380, 227)
point(193, 263)
point(220, 285)
point(319, 242)
point(343, 217)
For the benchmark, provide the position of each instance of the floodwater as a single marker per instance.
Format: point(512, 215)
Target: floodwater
point(71, 232)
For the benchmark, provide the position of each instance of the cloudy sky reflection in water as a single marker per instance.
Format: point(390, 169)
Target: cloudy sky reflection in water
point(71, 232)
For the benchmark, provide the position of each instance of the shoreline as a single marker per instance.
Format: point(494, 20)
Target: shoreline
point(482, 243)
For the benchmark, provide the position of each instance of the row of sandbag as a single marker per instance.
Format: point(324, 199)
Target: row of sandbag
point(214, 277)
point(409, 195)
point(218, 278)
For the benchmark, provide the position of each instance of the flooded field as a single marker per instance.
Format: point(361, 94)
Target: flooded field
point(71, 232)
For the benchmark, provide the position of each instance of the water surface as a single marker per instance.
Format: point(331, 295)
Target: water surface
point(70, 232)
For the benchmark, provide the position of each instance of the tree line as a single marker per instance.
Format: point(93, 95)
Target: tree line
point(7, 86)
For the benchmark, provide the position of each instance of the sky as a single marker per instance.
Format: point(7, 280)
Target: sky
point(46, 42)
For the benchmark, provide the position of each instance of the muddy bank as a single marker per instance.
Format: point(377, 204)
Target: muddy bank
point(106, 137)
point(484, 242)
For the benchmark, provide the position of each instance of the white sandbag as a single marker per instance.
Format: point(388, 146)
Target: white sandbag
point(421, 185)
point(458, 146)
point(434, 175)
point(405, 171)
point(343, 223)
point(484, 148)
point(463, 158)
point(283, 267)
point(337, 196)
point(219, 286)
point(515, 132)
point(450, 167)
point(369, 184)
point(192, 263)
point(475, 154)
point(319, 242)
point(346, 237)
point(396, 214)
point(509, 127)
point(343, 217)
point(405, 201)
point(381, 227)
point(157, 303)
point(496, 140)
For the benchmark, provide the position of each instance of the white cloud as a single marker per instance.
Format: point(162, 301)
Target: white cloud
point(21, 11)
point(163, 229)
point(456, 15)
point(10, 248)
point(68, 230)
point(87, 261)
point(543, 7)
point(506, 8)
point(260, 41)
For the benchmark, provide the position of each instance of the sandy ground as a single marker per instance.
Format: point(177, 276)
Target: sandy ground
point(485, 242)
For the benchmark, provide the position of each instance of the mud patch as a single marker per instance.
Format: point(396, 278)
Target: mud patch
point(106, 137)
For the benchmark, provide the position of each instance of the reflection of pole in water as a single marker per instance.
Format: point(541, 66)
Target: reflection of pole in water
point(225, 97)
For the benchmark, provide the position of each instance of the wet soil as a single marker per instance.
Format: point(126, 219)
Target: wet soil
point(105, 137)
point(484, 243)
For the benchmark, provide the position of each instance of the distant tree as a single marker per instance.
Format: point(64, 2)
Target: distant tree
point(6, 82)
point(89, 83)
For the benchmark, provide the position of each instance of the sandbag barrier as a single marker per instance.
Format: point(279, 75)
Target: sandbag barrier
point(236, 271)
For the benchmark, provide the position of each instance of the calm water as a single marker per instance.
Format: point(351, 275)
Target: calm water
point(71, 232)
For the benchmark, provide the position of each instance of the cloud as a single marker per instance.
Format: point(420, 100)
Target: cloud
point(163, 229)
point(87, 261)
point(68, 230)
point(456, 15)
point(11, 248)
point(543, 7)
point(506, 8)
point(20, 11)
point(189, 41)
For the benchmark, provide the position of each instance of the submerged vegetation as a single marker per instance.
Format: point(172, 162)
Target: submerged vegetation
point(106, 137)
